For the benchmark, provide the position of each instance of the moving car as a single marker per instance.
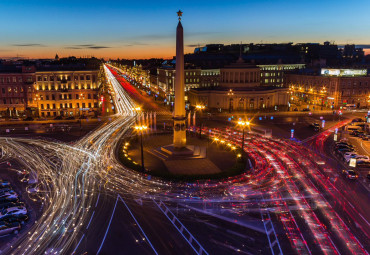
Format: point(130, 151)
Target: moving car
point(13, 211)
point(350, 174)
point(9, 227)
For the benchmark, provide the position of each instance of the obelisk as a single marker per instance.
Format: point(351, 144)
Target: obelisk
point(179, 131)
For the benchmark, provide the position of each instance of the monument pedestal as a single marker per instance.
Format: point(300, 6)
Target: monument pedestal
point(170, 152)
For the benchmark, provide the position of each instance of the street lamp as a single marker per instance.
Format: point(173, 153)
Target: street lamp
point(37, 101)
point(243, 124)
point(141, 129)
point(200, 108)
point(230, 94)
point(136, 110)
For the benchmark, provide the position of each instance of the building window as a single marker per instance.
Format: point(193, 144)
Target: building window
point(77, 96)
point(42, 106)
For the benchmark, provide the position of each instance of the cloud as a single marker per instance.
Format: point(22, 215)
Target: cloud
point(194, 45)
point(98, 47)
point(86, 46)
point(29, 45)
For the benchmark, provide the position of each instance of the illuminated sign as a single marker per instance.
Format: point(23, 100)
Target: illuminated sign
point(343, 72)
point(352, 162)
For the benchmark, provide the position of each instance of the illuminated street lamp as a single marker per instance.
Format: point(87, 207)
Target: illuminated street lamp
point(136, 110)
point(230, 94)
point(200, 108)
point(243, 124)
point(141, 129)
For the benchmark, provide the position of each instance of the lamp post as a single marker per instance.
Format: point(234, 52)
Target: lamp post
point(243, 124)
point(136, 110)
point(141, 129)
point(230, 94)
point(200, 108)
point(37, 100)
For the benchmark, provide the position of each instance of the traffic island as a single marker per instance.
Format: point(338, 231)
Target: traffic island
point(210, 160)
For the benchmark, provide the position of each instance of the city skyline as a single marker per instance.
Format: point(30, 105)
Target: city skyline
point(145, 29)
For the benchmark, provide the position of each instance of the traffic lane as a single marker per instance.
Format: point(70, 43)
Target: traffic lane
point(164, 237)
point(221, 237)
point(114, 231)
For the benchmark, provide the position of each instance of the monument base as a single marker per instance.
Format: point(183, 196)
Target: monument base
point(169, 152)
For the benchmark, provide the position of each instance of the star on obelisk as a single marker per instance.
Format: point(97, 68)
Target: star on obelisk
point(179, 14)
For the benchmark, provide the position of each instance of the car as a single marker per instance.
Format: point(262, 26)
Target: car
point(357, 120)
point(5, 189)
point(8, 194)
point(343, 146)
point(4, 183)
point(15, 119)
point(295, 109)
point(70, 118)
point(10, 204)
point(315, 126)
point(365, 137)
point(9, 227)
point(13, 211)
point(21, 218)
point(305, 110)
point(350, 174)
point(363, 164)
point(357, 157)
point(58, 118)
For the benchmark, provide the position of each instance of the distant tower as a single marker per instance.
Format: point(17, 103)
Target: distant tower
point(56, 57)
point(179, 132)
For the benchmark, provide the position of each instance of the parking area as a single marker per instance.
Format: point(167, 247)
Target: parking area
point(20, 205)
point(352, 151)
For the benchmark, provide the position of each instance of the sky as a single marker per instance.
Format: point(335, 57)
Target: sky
point(147, 28)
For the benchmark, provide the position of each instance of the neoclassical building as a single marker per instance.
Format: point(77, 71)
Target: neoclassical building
point(239, 90)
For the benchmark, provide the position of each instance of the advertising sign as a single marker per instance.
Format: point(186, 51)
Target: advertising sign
point(343, 72)
point(352, 162)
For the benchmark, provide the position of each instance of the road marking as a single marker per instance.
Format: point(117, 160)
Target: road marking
point(90, 220)
point(78, 244)
point(97, 200)
point(364, 219)
point(110, 221)
point(137, 224)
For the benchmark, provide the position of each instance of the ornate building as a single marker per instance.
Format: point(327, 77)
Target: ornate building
point(332, 88)
point(16, 87)
point(240, 90)
point(66, 93)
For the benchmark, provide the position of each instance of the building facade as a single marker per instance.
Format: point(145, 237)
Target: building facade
point(332, 88)
point(273, 75)
point(66, 93)
point(239, 90)
point(16, 91)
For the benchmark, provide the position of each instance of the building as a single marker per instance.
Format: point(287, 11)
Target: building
point(16, 87)
point(240, 90)
point(331, 88)
point(273, 74)
point(66, 93)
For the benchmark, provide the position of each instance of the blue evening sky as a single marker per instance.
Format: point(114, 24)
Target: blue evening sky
point(147, 28)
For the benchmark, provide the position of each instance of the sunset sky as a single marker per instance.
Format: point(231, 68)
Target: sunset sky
point(144, 29)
